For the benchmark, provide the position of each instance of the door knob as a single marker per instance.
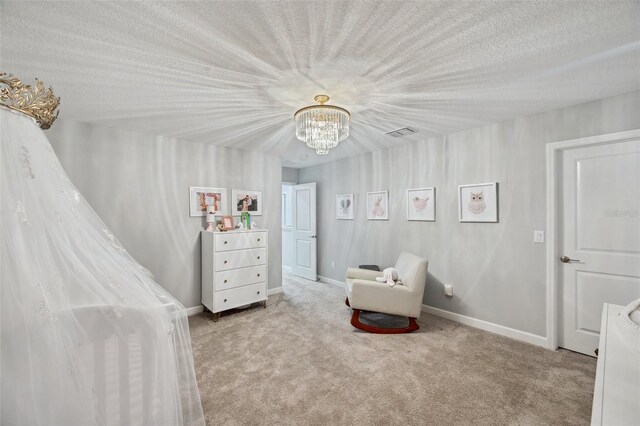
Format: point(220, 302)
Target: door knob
point(567, 259)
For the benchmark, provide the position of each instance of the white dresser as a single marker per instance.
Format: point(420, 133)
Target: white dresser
point(234, 269)
point(616, 397)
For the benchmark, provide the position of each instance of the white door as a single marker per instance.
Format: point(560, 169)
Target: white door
point(303, 222)
point(599, 230)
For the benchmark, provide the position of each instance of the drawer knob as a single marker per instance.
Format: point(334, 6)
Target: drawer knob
point(258, 257)
point(225, 262)
point(225, 300)
point(258, 239)
point(258, 274)
point(225, 242)
point(258, 291)
point(225, 281)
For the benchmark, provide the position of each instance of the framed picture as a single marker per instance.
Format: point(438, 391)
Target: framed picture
point(478, 202)
point(202, 197)
point(421, 204)
point(227, 223)
point(344, 206)
point(246, 201)
point(378, 205)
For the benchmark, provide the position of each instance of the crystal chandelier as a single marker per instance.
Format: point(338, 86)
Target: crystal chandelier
point(322, 126)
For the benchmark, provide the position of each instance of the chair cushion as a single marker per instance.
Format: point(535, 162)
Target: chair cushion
point(379, 297)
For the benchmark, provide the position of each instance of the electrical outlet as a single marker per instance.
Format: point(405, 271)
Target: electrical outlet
point(333, 264)
point(448, 290)
point(538, 237)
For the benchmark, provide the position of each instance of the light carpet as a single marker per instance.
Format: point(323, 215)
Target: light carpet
point(300, 362)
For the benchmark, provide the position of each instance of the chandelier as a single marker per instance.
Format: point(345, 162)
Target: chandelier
point(322, 126)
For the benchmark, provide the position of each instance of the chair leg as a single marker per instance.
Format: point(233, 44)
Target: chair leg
point(355, 321)
point(346, 301)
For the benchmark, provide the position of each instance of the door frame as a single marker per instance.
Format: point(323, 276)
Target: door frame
point(553, 251)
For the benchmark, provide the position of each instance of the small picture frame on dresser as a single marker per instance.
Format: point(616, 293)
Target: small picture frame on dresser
point(227, 223)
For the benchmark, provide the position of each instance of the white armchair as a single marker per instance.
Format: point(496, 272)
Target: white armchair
point(366, 294)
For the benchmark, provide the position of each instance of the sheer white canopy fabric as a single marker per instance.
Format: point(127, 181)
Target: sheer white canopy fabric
point(88, 337)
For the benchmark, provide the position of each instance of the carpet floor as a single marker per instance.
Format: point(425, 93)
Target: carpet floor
point(300, 362)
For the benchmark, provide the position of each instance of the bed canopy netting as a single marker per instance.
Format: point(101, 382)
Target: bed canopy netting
point(88, 337)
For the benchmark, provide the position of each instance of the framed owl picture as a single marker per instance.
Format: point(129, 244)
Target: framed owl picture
point(478, 202)
point(421, 204)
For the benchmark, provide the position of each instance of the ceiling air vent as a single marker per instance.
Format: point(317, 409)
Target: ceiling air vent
point(402, 132)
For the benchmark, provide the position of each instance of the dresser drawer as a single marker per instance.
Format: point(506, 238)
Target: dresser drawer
point(239, 241)
point(238, 277)
point(235, 297)
point(240, 259)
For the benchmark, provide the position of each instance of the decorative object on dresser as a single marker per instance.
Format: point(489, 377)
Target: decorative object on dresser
point(234, 269)
point(201, 197)
point(246, 201)
point(245, 220)
point(211, 218)
point(227, 223)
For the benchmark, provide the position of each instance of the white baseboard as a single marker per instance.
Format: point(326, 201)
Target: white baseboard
point(273, 291)
point(287, 269)
point(194, 310)
point(330, 281)
point(512, 333)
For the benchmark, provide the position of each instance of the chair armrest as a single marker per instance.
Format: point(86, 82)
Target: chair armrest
point(363, 274)
point(379, 297)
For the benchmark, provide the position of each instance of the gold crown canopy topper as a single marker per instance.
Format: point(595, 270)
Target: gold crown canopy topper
point(36, 102)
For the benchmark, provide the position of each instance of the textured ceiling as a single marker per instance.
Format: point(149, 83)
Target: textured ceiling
point(233, 73)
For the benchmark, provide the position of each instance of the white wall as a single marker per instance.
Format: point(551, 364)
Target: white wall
point(289, 175)
point(139, 185)
point(498, 273)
